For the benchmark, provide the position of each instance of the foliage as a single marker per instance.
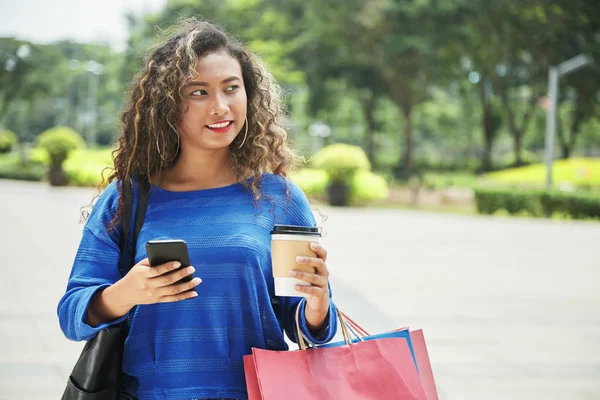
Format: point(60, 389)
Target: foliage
point(11, 167)
point(537, 203)
point(341, 161)
point(7, 141)
point(440, 180)
point(379, 73)
point(58, 142)
point(313, 182)
point(366, 187)
point(28, 71)
point(85, 167)
point(583, 172)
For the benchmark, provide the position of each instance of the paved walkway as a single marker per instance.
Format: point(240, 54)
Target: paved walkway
point(510, 307)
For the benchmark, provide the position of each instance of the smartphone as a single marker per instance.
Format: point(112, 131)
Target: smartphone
point(163, 251)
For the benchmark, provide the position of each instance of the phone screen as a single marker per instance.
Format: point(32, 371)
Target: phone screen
point(163, 251)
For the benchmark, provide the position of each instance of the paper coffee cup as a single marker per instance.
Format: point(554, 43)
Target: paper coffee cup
point(288, 242)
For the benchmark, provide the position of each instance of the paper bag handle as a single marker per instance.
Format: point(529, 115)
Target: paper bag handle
point(343, 326)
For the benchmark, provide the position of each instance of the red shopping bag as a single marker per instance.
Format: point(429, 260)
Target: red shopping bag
point(381, 369)
point(425, 371)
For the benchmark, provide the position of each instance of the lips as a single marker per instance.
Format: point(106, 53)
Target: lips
point(220, 127)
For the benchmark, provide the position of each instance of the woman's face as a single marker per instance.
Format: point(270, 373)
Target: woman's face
point(214, 103)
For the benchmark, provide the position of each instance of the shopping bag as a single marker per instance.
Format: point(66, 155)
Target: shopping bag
point(381, 369)
point(423, 364)
point(416, 342)
point(403, 333)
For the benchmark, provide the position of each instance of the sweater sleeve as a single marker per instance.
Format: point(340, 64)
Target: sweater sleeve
point(95, 268)
point(298, 212)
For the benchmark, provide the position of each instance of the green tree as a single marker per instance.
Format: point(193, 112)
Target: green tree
point(27, 71)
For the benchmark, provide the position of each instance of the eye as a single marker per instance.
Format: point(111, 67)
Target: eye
point(200, 92)
point(233, 88)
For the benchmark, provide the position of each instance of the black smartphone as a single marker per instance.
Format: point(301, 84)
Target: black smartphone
point(163, 251)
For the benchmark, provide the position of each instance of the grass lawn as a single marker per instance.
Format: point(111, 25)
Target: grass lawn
point(441, 180)
point(583, 172)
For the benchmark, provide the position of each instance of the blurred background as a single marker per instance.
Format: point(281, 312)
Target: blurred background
point(414, 116)
point(442, 97)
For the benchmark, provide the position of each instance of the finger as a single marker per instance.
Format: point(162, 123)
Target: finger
point(170, 278)
point(318, 263)
point(314, 279)
point(174, 290)
point(312, 290)
point(320, 250)
point(163, 269)
point(145, 262)
point(178, 297)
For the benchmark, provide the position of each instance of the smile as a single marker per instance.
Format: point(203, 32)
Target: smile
point(220, 127)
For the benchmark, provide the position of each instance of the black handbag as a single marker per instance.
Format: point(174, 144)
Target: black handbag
point(97, 373)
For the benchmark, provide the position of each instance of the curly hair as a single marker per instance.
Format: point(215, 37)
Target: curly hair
point(149, 141)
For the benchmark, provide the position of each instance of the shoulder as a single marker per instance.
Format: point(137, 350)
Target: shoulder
point(105, 206)
point(108, 198)
point(276, 185)
point(293, 207)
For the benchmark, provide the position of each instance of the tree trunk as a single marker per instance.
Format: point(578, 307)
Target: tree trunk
point(407, 149)
point(402, 92)
point(567, 144)
point(3, 110)
point(565, 151)
point(516, 133)
point(57, 175)
point(488, 133)
point(369, 111)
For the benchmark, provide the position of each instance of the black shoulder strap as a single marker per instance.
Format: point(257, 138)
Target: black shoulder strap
point(127, 256)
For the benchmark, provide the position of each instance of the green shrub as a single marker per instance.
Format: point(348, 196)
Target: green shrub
point(578, 206)
point(367, 186)
point(8, 140)
point(313, 182)
point(39, 155)
point(341, 161)
point(84, 167)
point(58, 142)
point(488, 201)
point(537, 203)
point(11, 167)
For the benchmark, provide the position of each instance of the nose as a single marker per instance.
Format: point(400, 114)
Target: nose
point(219, 106)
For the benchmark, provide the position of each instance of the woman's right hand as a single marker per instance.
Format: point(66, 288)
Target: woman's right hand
point(144, 284)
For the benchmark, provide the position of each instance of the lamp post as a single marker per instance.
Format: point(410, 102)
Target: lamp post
point(554, 74)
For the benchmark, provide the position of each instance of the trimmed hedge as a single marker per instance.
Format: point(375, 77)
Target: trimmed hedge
point(365, 186)
point(538, 203)
point(11, 167)
point(8, 140)
point(59, 142)
point(341, 161)
point(313, 182)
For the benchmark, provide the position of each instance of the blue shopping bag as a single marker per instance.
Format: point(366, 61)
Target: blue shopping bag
point(398, 334)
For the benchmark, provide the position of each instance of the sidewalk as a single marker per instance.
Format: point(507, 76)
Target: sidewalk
point(509, 307)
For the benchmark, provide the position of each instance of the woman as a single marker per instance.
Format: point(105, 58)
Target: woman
point(204, 129)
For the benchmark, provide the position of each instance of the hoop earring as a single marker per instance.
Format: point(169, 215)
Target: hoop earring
point(174, 155)
point(245, 134)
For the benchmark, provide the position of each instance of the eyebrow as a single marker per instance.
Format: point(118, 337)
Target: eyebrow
point(196, 83)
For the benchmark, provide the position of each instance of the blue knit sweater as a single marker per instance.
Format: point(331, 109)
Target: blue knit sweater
point(194, 348)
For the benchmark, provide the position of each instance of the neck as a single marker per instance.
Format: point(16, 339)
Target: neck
point(200, 170)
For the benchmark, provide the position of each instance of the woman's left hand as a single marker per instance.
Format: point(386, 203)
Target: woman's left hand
point(317, 301)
